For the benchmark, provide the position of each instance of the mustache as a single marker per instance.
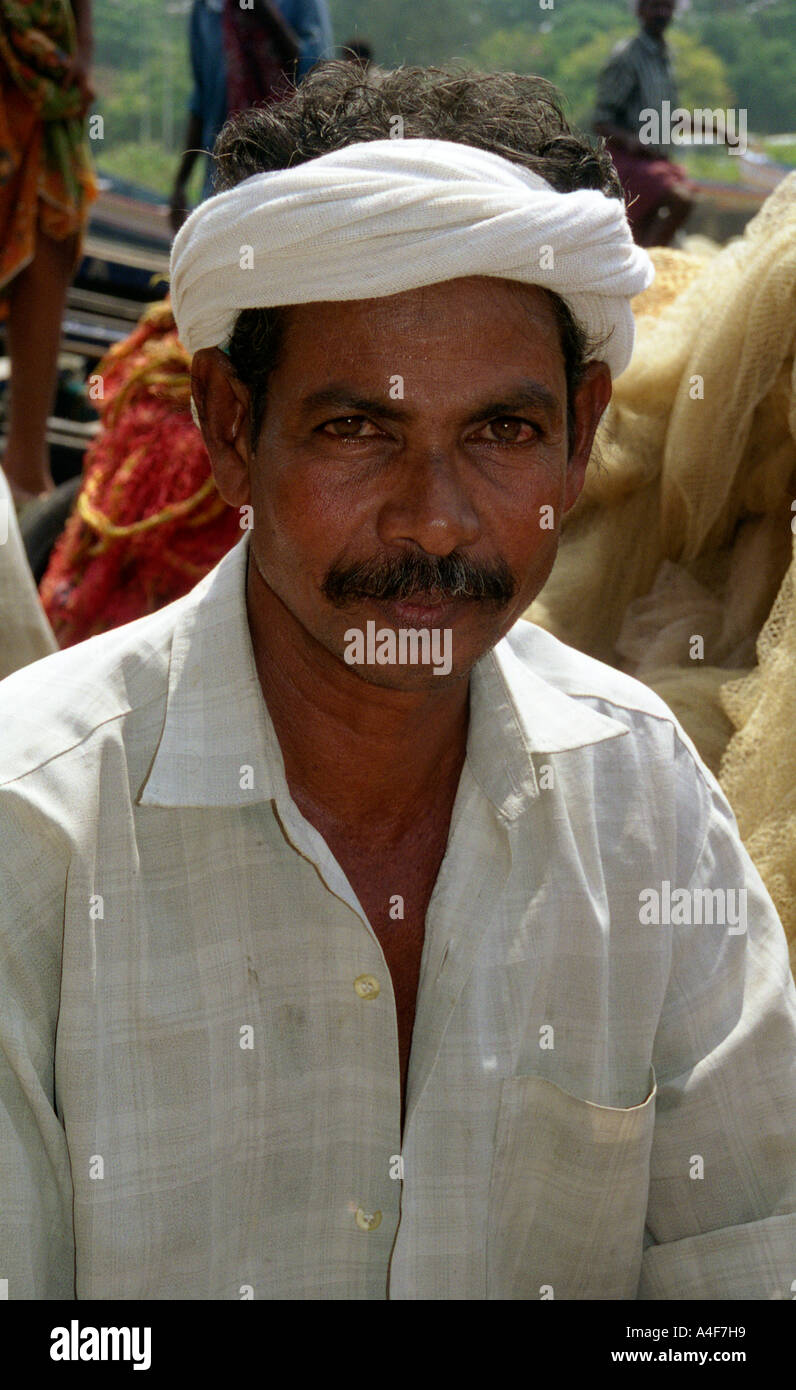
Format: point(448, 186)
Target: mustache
point(421, 576)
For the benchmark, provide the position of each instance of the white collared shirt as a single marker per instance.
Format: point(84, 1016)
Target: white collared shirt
point(25, 633)
point(199, 1079)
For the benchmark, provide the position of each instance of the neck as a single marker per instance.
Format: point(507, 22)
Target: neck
point(360, 755)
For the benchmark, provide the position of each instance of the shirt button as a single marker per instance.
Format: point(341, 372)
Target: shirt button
point(368, 1221)
point(367, 987)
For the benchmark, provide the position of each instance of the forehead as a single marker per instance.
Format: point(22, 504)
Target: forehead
point(456, 325)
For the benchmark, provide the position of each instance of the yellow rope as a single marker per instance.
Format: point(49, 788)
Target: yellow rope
point(143, 378)
point(111, 530)
point(166, 365)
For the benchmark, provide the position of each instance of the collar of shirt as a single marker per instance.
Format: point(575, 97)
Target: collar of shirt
point(216, 714)
point(657, 48)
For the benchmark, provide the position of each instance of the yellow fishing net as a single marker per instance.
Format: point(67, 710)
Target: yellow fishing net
point(677, 563)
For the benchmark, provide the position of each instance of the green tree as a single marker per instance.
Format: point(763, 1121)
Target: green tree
point(764, 78)
point(577, 76)
point(515, 50)
point(727, 52)
point(403, 31)
point(757, 48)
point(702, 78)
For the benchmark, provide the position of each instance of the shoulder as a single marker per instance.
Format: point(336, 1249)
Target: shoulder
point(582, 677)
point(657, 746)
point(651, 773)
point(623, 53)
point(55, 705)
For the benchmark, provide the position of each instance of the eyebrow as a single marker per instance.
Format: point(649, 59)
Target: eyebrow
point(525, 395)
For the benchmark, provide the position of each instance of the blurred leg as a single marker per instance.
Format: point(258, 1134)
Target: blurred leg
point(659, 228)
point(36, 304)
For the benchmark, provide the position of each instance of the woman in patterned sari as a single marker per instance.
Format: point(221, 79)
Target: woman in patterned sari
point(46, 187)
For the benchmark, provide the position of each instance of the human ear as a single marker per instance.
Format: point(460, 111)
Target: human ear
point(222, 405)
point(591, 399)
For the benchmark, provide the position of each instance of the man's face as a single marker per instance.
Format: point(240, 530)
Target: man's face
point(656, 15)
point(428, 427)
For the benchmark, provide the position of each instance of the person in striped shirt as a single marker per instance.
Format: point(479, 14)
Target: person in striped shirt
point(638, 78)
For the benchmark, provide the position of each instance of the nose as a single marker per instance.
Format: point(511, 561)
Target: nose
point(428, 505)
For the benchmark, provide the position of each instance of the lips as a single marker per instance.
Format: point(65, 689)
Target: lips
point(420, 610)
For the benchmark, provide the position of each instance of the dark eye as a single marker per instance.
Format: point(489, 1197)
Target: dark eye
point(510, 429)
point(350, 427)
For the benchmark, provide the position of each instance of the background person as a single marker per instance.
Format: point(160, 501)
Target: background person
point(46, 188)
point(311, 22)
point(238, 58)
point(208, 102)
point(637, 77)
point(261, 52)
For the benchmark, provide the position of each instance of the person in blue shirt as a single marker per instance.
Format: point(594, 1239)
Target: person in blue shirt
point(301, 32)
point(312, 25)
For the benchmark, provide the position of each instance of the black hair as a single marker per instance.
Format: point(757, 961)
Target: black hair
point(515, 115)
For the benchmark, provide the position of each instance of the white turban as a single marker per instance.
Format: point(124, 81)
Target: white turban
point(384, 216)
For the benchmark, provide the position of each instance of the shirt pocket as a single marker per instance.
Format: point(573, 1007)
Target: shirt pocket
point(568, 1194)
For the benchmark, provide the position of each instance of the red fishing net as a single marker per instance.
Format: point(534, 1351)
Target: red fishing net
point(149, 522)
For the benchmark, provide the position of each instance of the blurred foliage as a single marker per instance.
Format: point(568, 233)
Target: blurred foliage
point(145, 162)
point(782, 152)
point(728, 52)
point(142, 71)
point(750, 43)
point(713, 164)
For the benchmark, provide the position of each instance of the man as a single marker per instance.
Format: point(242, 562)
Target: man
point(207, 110)
point(311, 21)
point(638, 78)
point(350, 944)
point(47, 187)
point(241, 54)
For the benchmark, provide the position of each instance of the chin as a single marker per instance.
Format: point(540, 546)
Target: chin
point(413, 679)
